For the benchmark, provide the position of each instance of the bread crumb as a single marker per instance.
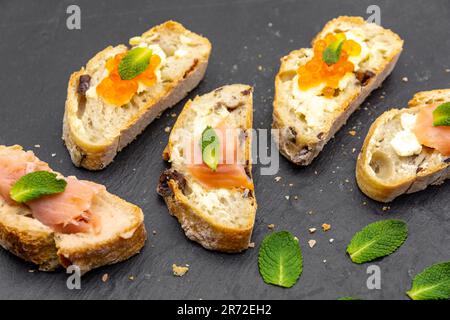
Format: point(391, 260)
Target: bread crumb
point(251, 245)
point(287, 197)
point(447, 70)
point(105, 277)
point(271, 226)
point(324, 261)
point(353, 150)
point(179, 271)
point(326, 227)
point(295, 197)
point(131, 278)
point(352, 133)
point(331, 240)
point(53, 155)
point(312, 243)
point(296, 239)
point(291, 184)
point(315, 172)
point(173, 115)
point(37, 145)
point(386, 208)
point(310, 212)
point(312, 230)
point(405, 79)
point(31, 271)
point(154, 232)
point(277, 179)
point(167, 129)
point(260, 68)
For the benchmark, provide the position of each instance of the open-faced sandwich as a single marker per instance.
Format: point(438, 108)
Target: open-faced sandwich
point(121, 90)
point(316, 90)
point(209, 187)
point(54, 221)
point(408, 149)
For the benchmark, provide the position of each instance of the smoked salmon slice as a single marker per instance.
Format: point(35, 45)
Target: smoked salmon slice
point(66, 212)
point(230, 172)
point(434, 137)
point(13, 165)
point(69, 211)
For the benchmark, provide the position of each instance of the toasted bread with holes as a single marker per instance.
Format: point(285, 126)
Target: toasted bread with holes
point(94, 131)
point(219, 218)
point(119, 235)
point(382, 174)
point(306, 119)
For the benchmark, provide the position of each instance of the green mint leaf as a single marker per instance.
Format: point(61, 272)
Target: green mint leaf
point(210, 148)
point(441, 115)
point(332, 53)
point(280, 259)
point(35, 185)
point(433, 283)
point(348, 298)
point(377, 240)
point(134, 63)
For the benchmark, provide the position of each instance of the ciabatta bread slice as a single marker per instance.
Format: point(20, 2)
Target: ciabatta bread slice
point(382, 174)
point(121, 236)
point(95, 131)
point(219, 219)
point(306, 119)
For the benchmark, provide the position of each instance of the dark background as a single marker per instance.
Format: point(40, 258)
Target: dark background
point(38, 53)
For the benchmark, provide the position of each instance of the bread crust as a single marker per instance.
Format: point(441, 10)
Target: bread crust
point(200, 227)
point(305, 152)
point(32, 241)
point(97, 157)
point(378, 189)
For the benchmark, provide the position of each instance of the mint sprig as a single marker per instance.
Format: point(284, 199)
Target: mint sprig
point(441, 115)
point(332, 53)
point(280, 259)
point(433, 283)
point(210, 148)
point(36, 185)
point(134, 63)
point(377, 240)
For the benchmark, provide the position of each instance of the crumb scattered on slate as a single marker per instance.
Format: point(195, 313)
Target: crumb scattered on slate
point(287, 197)
point(154, 232)
point(131, 278)
point(352, 133)
point(277, 179)
point(179, 271)
point(331, 240)
point(312, 230)
point(271, 226)
point(37, 145)
point(386, 208)
point(105, 277)
point(167, 129)
point(53, 155)
point(251, 245)
point(405, 79)
point(173, 115)
point(312, 243)
point(326, 227)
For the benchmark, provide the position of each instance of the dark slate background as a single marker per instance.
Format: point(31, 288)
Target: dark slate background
point(38, 53)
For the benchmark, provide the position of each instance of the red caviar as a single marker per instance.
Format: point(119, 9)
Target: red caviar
point(118, 92)
point(316, 71)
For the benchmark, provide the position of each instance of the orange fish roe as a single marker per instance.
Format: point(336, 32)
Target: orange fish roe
point(118, 92)
point(316, 71)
